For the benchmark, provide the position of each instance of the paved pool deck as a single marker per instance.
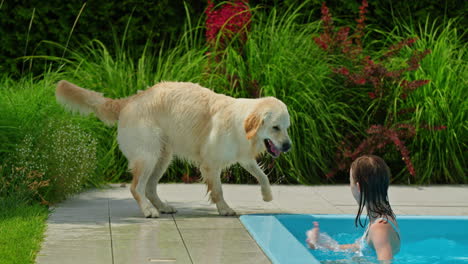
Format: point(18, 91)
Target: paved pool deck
point(105, 226)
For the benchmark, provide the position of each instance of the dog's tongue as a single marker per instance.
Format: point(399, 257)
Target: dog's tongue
point(273, 148)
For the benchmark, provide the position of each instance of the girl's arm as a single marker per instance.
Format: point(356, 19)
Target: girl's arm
point(352, 247)
point(379, 235)
point(316, 240)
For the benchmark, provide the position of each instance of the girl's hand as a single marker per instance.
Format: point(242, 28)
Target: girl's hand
point(313, 236)
point(322, 241)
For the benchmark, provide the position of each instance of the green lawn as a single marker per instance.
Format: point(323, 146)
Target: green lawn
point(21, 231)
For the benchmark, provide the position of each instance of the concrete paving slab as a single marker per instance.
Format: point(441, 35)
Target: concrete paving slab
point(78, 231)
point(155, 231)
point(336, 194)
point(429, 196)
point(213, 222)
point(75, 251)
point(221, 245)
point(229, 255)
point(235, 257)
point(149, 251)
point(433, 210)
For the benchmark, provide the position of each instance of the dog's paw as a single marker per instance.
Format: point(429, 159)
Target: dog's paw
point(267, 196)
point(150, 212)
point(226, 212)
point(167, 209)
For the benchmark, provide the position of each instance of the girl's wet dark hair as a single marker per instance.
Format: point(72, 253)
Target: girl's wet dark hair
point(373, 176)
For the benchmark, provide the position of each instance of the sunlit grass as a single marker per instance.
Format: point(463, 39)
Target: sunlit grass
point(21, 231)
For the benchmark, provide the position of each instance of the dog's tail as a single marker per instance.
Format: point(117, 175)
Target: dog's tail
point(85, 102)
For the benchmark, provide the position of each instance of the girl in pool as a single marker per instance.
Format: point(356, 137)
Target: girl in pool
point(369, 178)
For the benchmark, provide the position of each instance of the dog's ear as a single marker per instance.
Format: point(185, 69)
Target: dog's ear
point(251, 124)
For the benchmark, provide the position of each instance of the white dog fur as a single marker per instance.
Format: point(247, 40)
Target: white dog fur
point(191, 122)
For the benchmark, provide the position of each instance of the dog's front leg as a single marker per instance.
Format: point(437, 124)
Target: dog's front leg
point(253, 168)
point(212, 178)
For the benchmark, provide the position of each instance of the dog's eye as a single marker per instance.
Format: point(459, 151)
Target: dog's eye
point(276, 128)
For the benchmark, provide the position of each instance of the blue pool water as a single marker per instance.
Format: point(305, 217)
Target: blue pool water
point(424, 239)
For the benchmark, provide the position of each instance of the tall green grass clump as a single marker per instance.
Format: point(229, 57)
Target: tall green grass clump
point(440, 154)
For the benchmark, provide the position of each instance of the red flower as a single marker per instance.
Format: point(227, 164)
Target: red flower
point(343, 71)
point(229, 19)
point(416, 58)
point(326, 18)
point(434, 128)
point(360, 26)
point(413, 85)
point(397, 47)
point(357, 79)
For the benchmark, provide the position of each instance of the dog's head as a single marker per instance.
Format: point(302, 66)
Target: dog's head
point(268, 123)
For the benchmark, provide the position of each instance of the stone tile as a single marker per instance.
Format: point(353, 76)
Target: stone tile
point(235, 257)
point(336, 194)
point(246, 207)
point(182, 192)
point(155, 231)
point(215, 222)
point(303, 200)
point(250, 193)
point(150, 251)
point(75, 251)
point(77, 232)
point(221, 246)
point(433, 210)
point(316, 210)
point(294, 205)
point(429, 196)
point(221, 234)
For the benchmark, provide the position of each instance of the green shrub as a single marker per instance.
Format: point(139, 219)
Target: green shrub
point(51, 165)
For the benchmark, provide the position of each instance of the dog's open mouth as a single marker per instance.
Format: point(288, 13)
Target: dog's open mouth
point(271, 148)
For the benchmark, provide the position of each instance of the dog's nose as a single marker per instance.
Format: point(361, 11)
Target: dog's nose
point(286, 146)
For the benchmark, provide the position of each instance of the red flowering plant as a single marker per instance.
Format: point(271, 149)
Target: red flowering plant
point(228, 20)
point(384, 85)
point(228, 24)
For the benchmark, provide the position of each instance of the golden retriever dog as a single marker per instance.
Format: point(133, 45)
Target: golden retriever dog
point(182, 119)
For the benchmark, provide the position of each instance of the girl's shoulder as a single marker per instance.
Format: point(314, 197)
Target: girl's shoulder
point(385, 222)
point(382, 225)
point(382, 232)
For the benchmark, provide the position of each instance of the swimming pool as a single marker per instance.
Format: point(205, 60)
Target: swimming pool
point(424, 239)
